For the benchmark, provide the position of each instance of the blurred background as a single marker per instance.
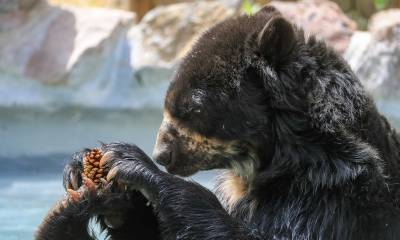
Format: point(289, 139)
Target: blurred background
point(75, 72)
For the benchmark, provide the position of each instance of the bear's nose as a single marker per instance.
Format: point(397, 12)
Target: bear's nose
point(163, 158)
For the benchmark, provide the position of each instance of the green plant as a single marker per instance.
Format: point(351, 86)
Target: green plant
point(381, 4)
point(249, 7)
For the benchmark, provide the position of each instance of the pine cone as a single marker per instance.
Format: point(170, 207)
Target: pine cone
point(92, 167)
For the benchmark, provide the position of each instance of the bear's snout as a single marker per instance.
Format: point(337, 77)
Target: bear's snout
point(163, 151)
point(163, 158)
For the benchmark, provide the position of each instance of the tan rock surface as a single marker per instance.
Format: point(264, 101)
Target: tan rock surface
point(166, 33)
point(322, 18)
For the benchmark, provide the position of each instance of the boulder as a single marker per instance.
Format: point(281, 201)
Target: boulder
point(53, 55)
point(51, 42)
point(60, 56)
point(322, 18)
point(166, 33)
point(385, 24)
point(375, 55)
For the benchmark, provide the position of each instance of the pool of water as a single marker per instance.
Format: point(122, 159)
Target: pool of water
point(34, 147)
point(24, 202)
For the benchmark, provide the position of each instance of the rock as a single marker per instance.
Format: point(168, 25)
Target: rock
point(385, 24)
point(57, 55)
point(13, 13)
point(323, 18)
point(166, 33)
point(7, 6)
point(63, 56)
point(55, 40)
point(375, 55)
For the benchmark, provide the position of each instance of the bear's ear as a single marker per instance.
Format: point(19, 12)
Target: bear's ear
point(277, 39)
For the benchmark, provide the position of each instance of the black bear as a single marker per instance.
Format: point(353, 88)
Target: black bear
point(305, 152)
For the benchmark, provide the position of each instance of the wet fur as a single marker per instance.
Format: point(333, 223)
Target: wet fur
point(314, 158)
point(69, 220)
point(324, 164)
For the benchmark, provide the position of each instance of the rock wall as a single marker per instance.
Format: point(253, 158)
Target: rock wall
point(55, 57)
point(375, 55)
point(49, 43)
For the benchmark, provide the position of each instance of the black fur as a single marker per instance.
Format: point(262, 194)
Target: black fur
point(70, 220)
point(285, 115)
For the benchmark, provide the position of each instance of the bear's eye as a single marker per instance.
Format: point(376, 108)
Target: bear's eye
point(196, 110)
point(190, 111)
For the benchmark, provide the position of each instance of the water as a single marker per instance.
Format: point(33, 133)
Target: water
point(24, 202)
point(42, 133)
point(35, 145)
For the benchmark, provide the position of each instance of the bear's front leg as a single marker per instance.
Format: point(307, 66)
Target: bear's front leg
point(123, 213)
point(185, 210)
point(70, 216)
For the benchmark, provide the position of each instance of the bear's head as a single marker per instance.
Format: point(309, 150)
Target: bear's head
point(249, 83)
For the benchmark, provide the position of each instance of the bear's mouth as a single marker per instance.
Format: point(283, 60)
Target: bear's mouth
point(182, 171)
point(192, 165)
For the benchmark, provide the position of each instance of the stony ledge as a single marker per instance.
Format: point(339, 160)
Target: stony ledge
point(56, 56)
